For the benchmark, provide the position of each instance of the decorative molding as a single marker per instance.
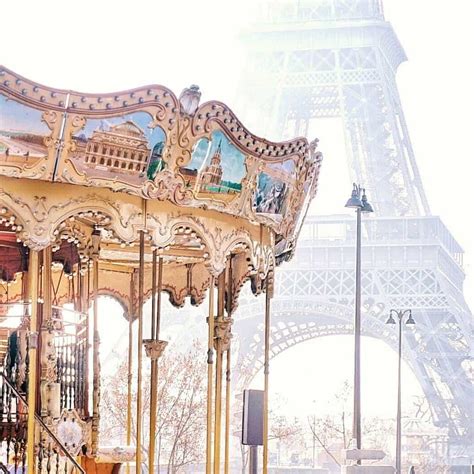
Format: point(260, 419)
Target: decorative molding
point(154, 349)
point(184, 122)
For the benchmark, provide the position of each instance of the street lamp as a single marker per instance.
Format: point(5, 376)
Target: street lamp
point(400, 314)
point(358, 201)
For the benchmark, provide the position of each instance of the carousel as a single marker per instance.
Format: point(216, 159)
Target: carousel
point(133, 194)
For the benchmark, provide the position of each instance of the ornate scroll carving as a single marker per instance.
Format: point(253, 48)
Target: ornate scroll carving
point(223, 332)
point(154, 349)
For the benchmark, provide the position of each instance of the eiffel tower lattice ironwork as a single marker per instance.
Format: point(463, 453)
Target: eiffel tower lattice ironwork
point(313, 59)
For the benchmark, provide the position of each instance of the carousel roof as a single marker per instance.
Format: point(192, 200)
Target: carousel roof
point(192, 213)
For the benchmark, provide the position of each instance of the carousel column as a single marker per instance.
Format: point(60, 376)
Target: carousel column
point(222, 338)
point(87, 342)
point(219, 320)
point(96, 343)
point(154, 349)
point(49, 387)
point(83, 309)
point(210, 363)
point(268, 297)
point(33, 271)
point(228, 370)
point(130, 360)
point(141, 285)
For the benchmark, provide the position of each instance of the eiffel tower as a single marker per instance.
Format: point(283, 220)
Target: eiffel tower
point(311, 60)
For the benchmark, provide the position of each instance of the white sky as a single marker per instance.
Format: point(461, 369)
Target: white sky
point(114, 45)
point(104, 46)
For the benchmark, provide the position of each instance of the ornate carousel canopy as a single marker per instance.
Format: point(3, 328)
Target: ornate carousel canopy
point(129, 194)
point(82, 168)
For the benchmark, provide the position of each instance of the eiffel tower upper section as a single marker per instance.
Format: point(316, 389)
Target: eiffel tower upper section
point(313, 59)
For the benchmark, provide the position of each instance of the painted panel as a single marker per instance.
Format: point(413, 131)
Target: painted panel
point(123, 148)
point(216, 167)
point(271, 195)
point(23, 135)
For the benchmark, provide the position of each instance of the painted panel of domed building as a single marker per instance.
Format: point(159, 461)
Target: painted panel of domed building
point(124, 148)
point(216, 167)
point(273, 185)
point(22, 134)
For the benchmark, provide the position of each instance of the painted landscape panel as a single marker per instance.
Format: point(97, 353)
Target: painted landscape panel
point(273, 185)
point(22, 134)
point(121, 148)
point(216, 167)
point(272, 194)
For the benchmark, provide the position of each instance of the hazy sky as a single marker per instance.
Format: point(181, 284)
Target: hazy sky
point(108, 46)
point(103, 46)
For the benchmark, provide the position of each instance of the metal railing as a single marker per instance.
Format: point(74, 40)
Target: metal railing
point(51, 454)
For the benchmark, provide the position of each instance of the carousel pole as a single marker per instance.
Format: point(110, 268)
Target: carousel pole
point(46, 341)
point(159, 346)
point(268, 297)
point(129, 362)
point(227, 374)
point(96, 343)
point(219, 360)
point(154, 369)
point(87, 284)
point(141, 284)
point(33, 270)
point(227, 413)
point(83, 309)
point(210, 363)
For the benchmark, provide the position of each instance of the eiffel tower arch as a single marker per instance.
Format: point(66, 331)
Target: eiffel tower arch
point(310, 60)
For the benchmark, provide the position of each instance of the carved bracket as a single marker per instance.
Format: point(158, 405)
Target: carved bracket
point(154, 349)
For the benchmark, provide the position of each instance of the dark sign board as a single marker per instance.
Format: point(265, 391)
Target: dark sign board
point(252, 419)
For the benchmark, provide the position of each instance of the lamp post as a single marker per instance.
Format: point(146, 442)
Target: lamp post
point(358, 201)
point(400, 314)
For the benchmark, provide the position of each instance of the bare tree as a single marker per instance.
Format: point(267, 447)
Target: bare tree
point(335, 429)
point(180, 425)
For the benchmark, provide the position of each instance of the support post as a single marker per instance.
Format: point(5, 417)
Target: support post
point(154, 368)
point(398, 453)
point(96, 343)
point(356, 425)
point(87, 342)
point(228, 372)
point(219, 362)
point(253, 459)
point(33, 270)
point(84, 310)
point(268, 297)
point(130, 362)
point(49, 404)
point(141, 284)
point(227, 413)
point(210, 363)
